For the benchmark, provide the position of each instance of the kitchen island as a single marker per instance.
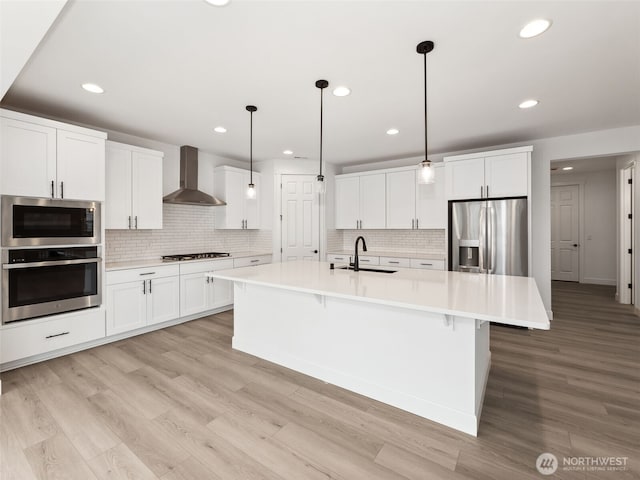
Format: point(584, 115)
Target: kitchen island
point(414, 339)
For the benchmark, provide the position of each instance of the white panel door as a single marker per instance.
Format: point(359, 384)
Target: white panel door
point(80, 166)
point(401, 199)
point(252, 205)
point(163, 297)
point(194, 293)
point(126, 307)
point(347, 202)
point(373, 201)
point(565, 231)
point(117, 211)
point(431, 205)
point(300, 218)
point(507, 175)
point(464, 179)
point(221, 292)
point(147, 191)
point(27, 159)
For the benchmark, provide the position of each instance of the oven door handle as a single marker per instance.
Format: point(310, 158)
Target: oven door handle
point(52, 263)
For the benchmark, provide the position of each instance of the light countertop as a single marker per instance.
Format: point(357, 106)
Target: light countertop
point(154, 262)
point(497, 298)
point(372, 253)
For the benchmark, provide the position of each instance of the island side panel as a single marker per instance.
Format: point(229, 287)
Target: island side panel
point(413, 360)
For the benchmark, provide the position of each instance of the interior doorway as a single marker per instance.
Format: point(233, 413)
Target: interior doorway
point(626, 232)
point(299, 218)
point(565, 233)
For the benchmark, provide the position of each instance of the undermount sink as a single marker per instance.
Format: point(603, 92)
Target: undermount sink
point(365, 269)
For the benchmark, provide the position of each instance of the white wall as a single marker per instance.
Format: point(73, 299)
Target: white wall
point(598, 230)
point(23, 25)
point(601, 143)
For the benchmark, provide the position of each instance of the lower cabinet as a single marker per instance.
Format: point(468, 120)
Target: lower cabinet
point(142, 296)
point(200, 292)
point(35, 337)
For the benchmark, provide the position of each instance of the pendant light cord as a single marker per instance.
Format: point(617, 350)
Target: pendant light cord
point(321, 112)
point(251, 149)
point(425, 107)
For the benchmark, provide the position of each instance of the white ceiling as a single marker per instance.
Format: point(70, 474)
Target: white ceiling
point(584, 165)
point(173, 70)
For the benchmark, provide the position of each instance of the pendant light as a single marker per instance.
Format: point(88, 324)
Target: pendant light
point(251, 190)
point(321, 84)
point(427, 173)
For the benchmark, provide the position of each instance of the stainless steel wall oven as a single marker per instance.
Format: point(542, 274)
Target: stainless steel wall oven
point(28, 222)
point(45, 281)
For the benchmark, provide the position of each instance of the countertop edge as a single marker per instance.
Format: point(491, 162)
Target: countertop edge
point(127, 265)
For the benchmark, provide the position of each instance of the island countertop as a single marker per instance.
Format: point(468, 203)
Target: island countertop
point(502, 299)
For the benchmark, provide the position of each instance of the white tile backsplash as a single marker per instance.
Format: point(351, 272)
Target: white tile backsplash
point(186, 229)
point(401, 241)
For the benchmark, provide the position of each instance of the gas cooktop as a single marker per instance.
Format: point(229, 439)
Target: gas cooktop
point(193, 256)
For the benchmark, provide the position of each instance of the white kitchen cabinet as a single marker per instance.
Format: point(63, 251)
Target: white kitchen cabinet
point(133, 187)
point(428, 264)
point(401, 199)
point(142, 296)
point(240, 212)
point(46, 158)
point(35, 337)
point(411, 204)
point(360, 201)
point(199, 292)
point(496, 174)
point(251, 261)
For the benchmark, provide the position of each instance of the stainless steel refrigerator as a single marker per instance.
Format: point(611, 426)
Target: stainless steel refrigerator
point(489, 236)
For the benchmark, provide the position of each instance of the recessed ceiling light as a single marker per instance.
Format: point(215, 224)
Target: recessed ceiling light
point(567, 168)
point(93, 88)
point(287, 152)
point(217, 3)
point(341, 91)
point(528, 103)
point(220, 130)
point(393, 131)
point(535, 27)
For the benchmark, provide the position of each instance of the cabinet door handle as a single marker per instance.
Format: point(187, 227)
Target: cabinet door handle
point(427, 264)
point(207, 277)
point(61, 189)
point(52, 191)
point(417, 224)
point(57, 335)
point(487, 191)
point(129, 222)
point(365, 260)
point(254, 261)
point(413, 226)
point(148, 273)
point(395, 263)
point(136, 222)
point(144, 287)
point(481, 191)
point(150, 285)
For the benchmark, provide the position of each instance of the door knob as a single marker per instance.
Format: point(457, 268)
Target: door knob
point(315, 251)
point(576, 244)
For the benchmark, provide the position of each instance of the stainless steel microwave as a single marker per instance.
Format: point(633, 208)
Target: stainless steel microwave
point(28, 221)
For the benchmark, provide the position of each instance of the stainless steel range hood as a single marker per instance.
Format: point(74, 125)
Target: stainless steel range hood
point(188, 193)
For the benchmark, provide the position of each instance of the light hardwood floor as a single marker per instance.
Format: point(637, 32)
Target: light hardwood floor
point(180, 404)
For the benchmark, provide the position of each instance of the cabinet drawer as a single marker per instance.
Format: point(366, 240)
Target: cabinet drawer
point(29, 339)
point(367, 260)
point(427, 264)
point(209, 266)
point(249, 261)
point(395, 262)
point(334, 258)
point(146, 273)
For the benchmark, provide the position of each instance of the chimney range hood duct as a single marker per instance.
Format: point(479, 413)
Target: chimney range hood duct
point(188, 193)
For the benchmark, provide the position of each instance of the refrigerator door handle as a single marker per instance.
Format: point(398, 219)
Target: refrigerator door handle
point(482, 240)
point(491, 248)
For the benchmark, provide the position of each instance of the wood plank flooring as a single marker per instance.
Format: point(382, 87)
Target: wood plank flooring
point(180, 404)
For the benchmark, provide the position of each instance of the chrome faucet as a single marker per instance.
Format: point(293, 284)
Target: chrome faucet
point(356, 262)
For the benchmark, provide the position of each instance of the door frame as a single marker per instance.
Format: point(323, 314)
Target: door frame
point(321, 214)
point(625, 264)
point(580, 184)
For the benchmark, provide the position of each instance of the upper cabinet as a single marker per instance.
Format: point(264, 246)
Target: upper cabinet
point(240, 212)
point(133, 187)
point(46, 158)
point(495, 174)
point(413, 205)
point(360, 201)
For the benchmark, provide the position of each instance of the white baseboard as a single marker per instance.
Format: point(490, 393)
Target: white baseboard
point(599, 281)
